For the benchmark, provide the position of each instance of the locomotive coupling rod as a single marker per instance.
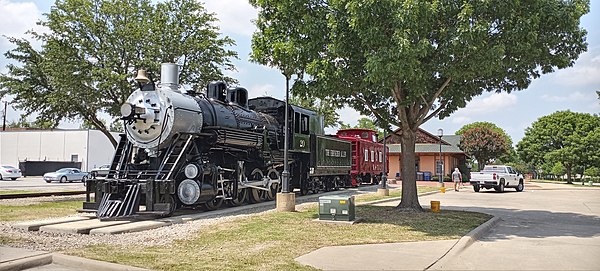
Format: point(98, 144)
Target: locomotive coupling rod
point(253, 186)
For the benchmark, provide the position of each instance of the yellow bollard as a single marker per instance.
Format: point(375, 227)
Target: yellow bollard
point(443, 189)
point(435, 206)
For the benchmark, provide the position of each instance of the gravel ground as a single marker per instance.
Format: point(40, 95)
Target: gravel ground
point(156, 237)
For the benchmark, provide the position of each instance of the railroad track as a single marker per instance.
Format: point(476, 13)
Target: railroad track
point(41, 194)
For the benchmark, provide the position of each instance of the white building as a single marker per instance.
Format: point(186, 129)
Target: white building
point(90, 147)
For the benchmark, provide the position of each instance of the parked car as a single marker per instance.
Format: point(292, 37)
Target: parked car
point(100, 171)
point(10, 172)
point(66, 175)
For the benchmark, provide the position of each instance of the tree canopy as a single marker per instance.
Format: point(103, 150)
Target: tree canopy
point(404, 62)
point(567, 138)
point(486, 142)
point(92, 50)
point(364, 123)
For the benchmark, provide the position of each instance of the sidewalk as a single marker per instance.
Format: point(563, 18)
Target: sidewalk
point(393, 256)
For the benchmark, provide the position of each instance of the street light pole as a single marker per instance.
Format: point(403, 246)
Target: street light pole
point(286, 201)
point(285, 175)
point(382, 189)
point(384, 179)
point(441, 163)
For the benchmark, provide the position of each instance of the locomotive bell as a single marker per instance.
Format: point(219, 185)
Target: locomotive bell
point(142, 77)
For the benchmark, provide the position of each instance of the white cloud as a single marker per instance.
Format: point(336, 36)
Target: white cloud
point(586, 70)
point(461, 120)
point(572, 97)
point(234, 15)
point(261, 90)
point(17, 18)
point(349, 115)
point(492, 103)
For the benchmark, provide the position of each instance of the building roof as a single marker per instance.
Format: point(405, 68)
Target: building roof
point(449, 145)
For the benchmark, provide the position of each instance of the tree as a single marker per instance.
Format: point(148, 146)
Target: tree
point(320, 106)
point(364, 123)
point(24, 123)
point(405, 62)
point(486, 142)
point(558, 170)
point(564, 136)
point(89, 56)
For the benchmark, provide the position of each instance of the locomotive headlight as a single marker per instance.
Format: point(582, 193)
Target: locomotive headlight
point(191, 171)
point(127, 110)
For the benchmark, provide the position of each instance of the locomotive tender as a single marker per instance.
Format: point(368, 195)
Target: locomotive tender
point(202, 149)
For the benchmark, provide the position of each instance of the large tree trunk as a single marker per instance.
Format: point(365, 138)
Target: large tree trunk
point(410, 199)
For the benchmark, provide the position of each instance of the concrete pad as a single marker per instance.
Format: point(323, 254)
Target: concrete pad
point(80, 226)
point(36, 224)
point(393, 256)
point(130, 227)
point(86, 264)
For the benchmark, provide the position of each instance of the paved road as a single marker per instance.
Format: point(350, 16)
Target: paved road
point(38, 184)
point(548, 227)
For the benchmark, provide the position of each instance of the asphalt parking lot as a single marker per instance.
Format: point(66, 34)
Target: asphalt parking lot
point(37, 183)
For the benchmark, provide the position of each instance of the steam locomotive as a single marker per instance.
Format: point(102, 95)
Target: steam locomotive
point(193, 149)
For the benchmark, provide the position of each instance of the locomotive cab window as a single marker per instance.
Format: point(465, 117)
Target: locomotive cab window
point(305, 130)
point(297, 123)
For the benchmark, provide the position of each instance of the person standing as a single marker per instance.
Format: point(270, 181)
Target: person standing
point(456, 178)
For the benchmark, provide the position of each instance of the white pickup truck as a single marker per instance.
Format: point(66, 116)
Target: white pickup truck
point(497, 177)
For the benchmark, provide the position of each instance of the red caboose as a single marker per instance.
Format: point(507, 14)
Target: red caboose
point(367, 155)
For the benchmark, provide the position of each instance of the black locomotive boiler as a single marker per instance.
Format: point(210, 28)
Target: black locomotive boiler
point(193, 149)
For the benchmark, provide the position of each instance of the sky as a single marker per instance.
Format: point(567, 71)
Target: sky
point(571, 89)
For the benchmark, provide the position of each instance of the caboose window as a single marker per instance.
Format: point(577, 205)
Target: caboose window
point(372, 156)
point(364, 135)
point(366, 155)
point(380, 156)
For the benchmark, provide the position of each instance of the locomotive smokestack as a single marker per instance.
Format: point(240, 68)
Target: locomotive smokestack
point(169, 76)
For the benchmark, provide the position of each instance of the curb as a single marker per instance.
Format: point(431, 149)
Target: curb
point(78, 263)
point(464, 242)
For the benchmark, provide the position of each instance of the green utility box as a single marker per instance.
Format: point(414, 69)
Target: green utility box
point(340, 208)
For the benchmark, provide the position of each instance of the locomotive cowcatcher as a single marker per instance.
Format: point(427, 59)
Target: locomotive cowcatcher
point(182, 150)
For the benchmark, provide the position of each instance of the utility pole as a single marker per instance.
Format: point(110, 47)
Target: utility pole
point(4, 116)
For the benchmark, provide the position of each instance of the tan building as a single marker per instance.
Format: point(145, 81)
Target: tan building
point(427, 151)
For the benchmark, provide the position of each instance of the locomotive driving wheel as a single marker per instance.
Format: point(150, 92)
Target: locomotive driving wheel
point(239, 198)
point(273, 174)
point(256, 195)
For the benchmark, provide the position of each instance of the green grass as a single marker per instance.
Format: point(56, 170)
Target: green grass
point(38, 211)
point(272, 241)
